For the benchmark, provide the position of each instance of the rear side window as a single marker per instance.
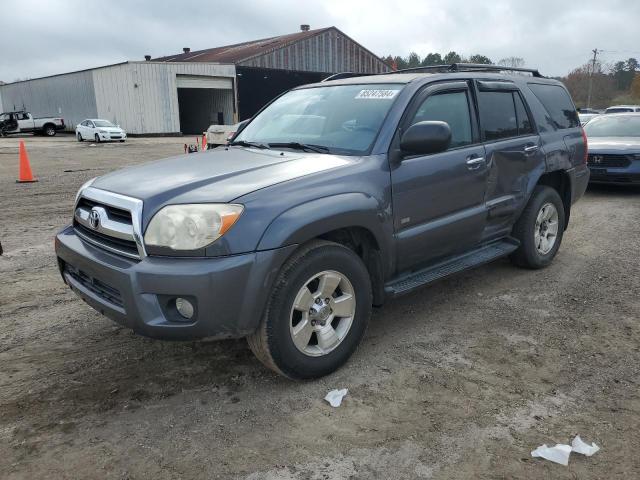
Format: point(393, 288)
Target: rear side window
point(497, 115)
point(558, 104)
point(525, 126)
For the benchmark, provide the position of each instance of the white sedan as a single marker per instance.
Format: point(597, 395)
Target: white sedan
point(96, 130)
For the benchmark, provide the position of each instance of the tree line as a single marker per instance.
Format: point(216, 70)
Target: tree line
point(612, 84)
point(413, 60)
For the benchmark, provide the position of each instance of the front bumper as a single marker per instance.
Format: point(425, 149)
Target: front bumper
point(229, 293)
point(623, 176)
point(112, 136)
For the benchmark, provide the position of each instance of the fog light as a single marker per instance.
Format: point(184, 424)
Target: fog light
point(184, 307)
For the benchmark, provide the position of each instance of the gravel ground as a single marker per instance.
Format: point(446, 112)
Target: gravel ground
point(461, 379)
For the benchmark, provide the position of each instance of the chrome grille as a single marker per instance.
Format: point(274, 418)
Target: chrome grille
point(109, 221)
point(608, 160)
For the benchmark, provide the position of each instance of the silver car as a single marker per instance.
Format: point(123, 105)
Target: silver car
point(614, 148)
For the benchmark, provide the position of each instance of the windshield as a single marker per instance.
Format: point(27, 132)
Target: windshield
point(103, 123)
point(614, 126)
point(339, 119)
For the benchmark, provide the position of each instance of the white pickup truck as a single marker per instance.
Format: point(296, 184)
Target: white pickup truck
point(23, 122)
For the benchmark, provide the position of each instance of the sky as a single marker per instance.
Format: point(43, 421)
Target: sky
point(43, 37)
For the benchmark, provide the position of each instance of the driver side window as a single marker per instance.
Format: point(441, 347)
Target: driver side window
point(450, 107)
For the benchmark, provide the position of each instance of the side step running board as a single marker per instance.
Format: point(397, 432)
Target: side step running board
point(468, 260)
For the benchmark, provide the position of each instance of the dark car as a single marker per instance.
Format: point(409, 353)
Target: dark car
point(614, 148)
point(334, 198)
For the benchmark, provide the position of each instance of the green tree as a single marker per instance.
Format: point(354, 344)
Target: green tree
point(414, 60)
point(432, 59)
point(452, 57)
point(480, 59)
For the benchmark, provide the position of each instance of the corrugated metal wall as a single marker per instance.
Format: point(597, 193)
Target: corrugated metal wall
point(142, 97)
point(328, 52)
point(70, 96)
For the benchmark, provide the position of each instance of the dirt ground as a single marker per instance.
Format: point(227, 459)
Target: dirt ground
point(460, 380)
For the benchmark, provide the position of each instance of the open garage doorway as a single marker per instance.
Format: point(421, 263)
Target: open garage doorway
point(204, 101)
point(258, 86)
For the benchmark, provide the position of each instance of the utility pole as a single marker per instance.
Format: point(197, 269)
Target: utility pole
point(593, 69)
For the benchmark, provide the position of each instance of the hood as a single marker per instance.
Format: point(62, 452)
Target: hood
point(111, 129)
point(219, 175)
point(615, 145)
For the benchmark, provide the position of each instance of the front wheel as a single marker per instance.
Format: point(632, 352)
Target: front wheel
point(97, 137)
point(539, 229)
point(318, 312)
point(80, 139)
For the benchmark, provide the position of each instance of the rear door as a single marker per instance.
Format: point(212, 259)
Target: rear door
point(438, 199)
point(512, 152)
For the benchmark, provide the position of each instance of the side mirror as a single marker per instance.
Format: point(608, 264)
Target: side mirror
point(426, 137)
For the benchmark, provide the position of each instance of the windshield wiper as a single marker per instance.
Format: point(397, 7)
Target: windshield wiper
point(307, 147)
point(242, 143)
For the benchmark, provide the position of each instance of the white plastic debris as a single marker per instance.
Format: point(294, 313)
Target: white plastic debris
point(334, 397)
point(579, 446)
point(558, 454)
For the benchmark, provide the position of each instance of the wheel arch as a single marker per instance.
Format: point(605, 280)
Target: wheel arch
point(560, 181)
point(48, 124)
point(351, 219)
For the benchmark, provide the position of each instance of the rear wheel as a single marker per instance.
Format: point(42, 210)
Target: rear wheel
point(49, 130)
point(318, 312)
point(539, 229)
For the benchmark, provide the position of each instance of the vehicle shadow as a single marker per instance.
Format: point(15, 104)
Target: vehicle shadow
point(610, 188)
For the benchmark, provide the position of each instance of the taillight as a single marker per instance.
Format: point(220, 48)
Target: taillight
point(586, 147)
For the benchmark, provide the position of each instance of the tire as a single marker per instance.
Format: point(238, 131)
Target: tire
point(273, 341)
point(538, 242)
point(49, 130)
point(80, 139)
point(97, 137)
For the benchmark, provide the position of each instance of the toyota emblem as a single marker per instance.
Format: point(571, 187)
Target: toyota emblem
point(94, 219)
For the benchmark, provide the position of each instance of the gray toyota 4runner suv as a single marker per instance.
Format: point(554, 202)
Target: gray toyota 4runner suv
point(334, 198)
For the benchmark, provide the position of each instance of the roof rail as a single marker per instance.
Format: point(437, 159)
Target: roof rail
point(338, 76)
point(469, 67)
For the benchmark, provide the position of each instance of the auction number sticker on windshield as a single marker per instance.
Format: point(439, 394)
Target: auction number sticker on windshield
point(376, 94)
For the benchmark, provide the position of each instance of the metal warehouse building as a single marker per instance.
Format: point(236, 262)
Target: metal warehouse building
point(186, 93)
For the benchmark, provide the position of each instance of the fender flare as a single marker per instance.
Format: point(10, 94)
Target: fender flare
point(311, 219)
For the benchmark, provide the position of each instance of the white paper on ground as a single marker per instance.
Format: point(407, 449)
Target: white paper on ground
point(334, 397)
point(579, 446)
point(558, 454)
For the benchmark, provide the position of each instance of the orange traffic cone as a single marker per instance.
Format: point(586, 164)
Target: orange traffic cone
point(204, 142)
point(25, 169)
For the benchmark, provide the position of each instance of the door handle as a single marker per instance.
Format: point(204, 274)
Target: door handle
point(475, 163)
point(530, 149)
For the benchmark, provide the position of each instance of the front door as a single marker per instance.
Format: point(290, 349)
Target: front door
point(438, 199)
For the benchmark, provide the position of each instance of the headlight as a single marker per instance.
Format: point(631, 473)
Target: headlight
point(102, 131)
point(84, 185)
point(190, 227)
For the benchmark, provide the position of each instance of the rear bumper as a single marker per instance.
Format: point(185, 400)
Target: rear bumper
point(579, 180)
point(229, 293)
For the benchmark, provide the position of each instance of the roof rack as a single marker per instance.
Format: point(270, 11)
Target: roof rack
point(469, 67)
point(341, 75)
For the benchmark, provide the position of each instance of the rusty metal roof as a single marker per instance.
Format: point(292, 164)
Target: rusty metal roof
point(242, 51)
